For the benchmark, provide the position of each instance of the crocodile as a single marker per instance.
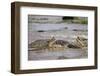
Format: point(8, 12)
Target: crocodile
point(53, 44)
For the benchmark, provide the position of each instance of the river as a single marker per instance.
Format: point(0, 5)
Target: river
point(62, 31)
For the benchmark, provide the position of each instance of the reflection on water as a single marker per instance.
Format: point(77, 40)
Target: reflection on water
point(52, 55)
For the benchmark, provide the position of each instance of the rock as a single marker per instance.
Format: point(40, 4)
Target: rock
point(79, 30)
point(62, 57)
point(38, 44)
point(73, 46)
point(66, 28)
point(41, 31)
point(61, 42)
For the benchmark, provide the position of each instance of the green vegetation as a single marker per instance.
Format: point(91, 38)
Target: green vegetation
point(77, 20)
point(84, 22)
